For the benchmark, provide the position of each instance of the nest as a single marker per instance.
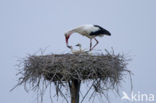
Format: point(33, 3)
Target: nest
point(104, 71)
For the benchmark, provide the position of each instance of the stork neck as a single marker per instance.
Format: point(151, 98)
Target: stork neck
point(76, 30)
point(70, 32)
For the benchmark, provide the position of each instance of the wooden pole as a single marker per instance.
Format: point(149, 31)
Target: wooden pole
point(74, 86)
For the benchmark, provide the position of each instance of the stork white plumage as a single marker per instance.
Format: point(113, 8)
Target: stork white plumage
point(90, 31)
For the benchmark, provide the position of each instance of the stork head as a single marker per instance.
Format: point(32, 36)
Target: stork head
point(67, 35)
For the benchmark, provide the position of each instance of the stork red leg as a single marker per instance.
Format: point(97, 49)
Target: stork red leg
point(90, 44)
point(95, 44)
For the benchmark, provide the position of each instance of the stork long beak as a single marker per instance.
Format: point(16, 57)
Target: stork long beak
point(66, 38)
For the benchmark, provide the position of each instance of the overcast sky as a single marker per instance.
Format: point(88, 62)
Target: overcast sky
point(28, 25)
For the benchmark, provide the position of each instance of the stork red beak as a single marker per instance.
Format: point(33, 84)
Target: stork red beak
point(67, 37)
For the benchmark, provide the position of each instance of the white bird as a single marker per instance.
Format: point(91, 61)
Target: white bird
point(90, 31)
point(76, 51)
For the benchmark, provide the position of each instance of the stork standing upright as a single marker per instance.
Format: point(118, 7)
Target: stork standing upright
point(90, 31)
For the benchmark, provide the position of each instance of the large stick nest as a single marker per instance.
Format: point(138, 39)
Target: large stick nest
point(105, 71)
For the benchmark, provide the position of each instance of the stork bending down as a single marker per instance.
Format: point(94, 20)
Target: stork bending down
point(90, 31)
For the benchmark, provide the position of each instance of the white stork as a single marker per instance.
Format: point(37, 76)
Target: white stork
point(90, 31)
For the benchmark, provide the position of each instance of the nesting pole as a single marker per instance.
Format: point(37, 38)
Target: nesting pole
point(74, 86)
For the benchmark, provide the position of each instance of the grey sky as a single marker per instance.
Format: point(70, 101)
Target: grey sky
point(28, 25)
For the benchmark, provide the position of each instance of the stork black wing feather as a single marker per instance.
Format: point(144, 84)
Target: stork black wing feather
point(100, 32)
